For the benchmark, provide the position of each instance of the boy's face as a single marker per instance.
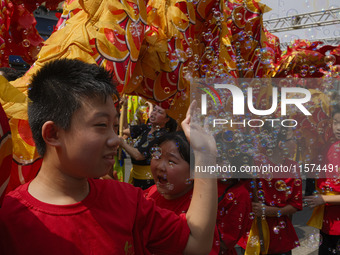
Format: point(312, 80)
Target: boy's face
point(171, 172)
point(88, 148)
point(336, 125)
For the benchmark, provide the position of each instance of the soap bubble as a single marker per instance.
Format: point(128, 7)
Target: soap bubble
point(26, 43)
point(280, 185)
point(329, 60)
point(230, 196)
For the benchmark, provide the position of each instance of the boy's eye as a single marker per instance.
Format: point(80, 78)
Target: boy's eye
point(101, 125)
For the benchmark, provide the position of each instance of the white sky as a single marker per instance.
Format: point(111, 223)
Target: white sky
point(283, 8)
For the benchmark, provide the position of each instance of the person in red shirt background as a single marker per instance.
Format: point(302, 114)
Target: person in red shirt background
point(234, 217)
point(326, 204)
point(277, 198)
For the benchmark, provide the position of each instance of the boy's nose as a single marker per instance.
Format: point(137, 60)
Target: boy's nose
point(113, 140)
point(161, 166)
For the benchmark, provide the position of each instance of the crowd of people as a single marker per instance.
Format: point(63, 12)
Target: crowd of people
point(69, 208)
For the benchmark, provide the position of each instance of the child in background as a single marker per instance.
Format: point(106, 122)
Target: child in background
point(170, 167)
point(65, 208)
point(278, 198)
point(326, 204)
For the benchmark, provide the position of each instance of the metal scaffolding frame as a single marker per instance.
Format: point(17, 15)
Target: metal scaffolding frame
point(304, 20)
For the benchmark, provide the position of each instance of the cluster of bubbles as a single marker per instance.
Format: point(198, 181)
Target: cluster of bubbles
point(253, 241)
point(156, 152)
point(208, 64)
point(314, 240)
point(136, 29)
point(170, 186)
point(252, 142)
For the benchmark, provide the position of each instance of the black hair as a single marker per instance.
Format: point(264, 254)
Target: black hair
point(11, 74)
point(59, 88)
point(171, 125)
point(181, 142)
point(335, 110)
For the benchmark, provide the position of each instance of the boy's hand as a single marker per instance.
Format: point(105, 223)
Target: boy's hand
point(200, 140)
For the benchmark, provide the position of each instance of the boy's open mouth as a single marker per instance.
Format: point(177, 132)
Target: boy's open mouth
point(162, 179)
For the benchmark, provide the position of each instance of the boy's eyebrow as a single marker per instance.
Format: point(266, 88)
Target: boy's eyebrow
point(173, 154)
point(104, 114)
point(101, 114)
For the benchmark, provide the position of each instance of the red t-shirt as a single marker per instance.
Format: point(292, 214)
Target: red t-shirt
point(114, 218)
point(178, 205)
point(331, 218)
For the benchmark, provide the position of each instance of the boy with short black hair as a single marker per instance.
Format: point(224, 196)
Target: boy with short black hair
point(64, 209)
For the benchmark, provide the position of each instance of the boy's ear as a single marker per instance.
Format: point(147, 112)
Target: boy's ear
point(50, 133)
